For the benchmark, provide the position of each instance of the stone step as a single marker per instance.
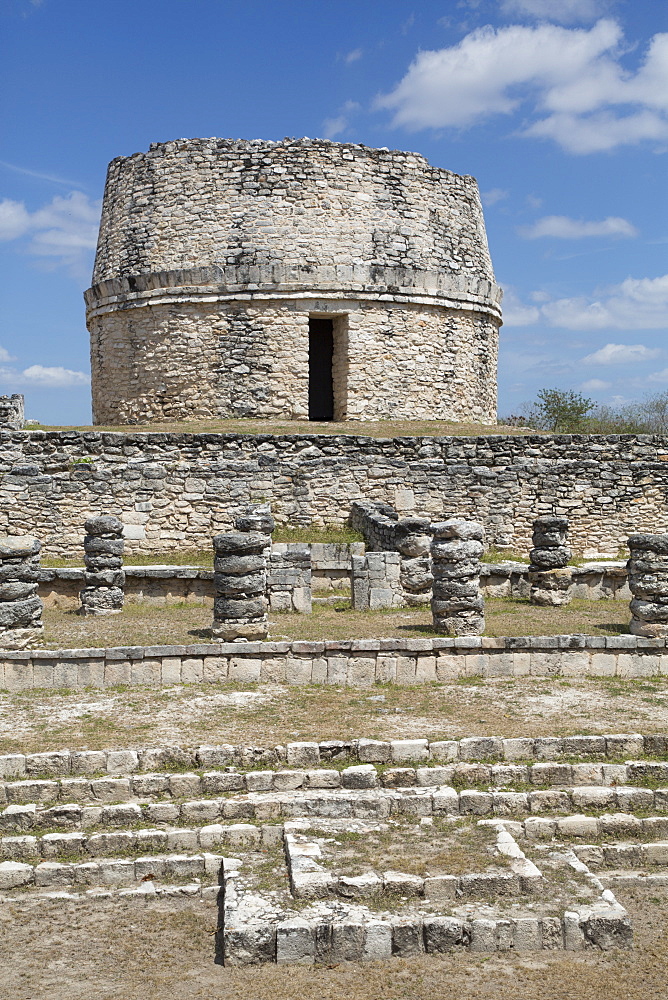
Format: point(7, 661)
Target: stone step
point(91, 844)
point(180, 784)
point(111, 871)
point(65, 763)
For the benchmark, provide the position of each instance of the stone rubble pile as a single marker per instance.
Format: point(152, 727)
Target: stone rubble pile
point(20, 607)
point(104, 579)
point(240, 577)
point(549, 576)
point(457, 605)
point(648, 583)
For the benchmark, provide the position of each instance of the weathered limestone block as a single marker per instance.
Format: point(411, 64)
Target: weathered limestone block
point(375, 580)
point(549, 576)
point(289, 578)
point(104, 579)
point(648, 583)
point(413, 540)
point(240, 577)
point(20, 607)
point(457, 605)
point(12, 412)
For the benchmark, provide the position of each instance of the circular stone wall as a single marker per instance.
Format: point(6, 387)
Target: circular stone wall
point(249, 278)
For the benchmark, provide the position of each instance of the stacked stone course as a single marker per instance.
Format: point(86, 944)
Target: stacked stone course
point(240, 578)
point(648, 583)
point(549, 576)
point(413, 540)
point(457, 605)
point(20, 607)
point(104, 579)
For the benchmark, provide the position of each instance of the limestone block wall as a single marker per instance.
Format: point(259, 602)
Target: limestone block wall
point(175, 362)
point(213, 254)
point(357, 663)
point(178, 490)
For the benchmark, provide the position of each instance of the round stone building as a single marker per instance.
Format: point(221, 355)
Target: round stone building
point(300, 279)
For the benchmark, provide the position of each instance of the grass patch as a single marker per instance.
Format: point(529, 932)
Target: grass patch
point(311, 428)
point(495, 555)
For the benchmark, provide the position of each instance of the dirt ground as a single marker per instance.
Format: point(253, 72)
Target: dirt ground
point(122, 950)
point(266, 715)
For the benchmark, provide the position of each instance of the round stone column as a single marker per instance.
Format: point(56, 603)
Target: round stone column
point(648, 582)
point(457, 605)
point(549, 576)
point(102, 592)
point(20, 607)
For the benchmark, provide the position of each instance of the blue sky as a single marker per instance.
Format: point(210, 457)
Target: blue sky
point(558, 107)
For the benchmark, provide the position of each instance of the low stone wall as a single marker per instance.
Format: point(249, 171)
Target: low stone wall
point(330, 575)
point(356, 663)
point(331, 567)
point(592, 581)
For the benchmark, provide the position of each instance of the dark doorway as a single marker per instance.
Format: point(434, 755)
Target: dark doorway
point(320, 384)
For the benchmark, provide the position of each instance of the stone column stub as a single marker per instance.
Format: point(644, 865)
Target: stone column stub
point(104, 578)
point(240, 577)
point(20, 607)
point(457, 604)
point(648, 582)
point(549, 575)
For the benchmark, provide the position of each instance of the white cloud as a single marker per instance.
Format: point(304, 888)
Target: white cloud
point(599, 133)
point(634, 304)
point(46, 377)
point(561, 227)
point(14, 219)
point(491, 197)
point(621, 354)
point(515, 313)
point(570, 81)
point(5, 355)
point(595, 385)
point(335, 126)
point(564, 11)
point(353, 56)
point(661, 376)
point(64, 230)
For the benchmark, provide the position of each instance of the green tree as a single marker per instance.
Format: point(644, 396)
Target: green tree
point(560, 410)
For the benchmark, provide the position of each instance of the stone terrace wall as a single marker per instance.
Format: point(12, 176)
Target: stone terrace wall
point(356, 663)
point(177, 490)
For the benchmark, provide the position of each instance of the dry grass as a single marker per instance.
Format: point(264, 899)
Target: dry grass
point(254, 715)
point(444, 848)
point(365, 428)
point(187, 624)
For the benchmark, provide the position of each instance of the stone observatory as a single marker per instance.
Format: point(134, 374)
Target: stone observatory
point(301, 279)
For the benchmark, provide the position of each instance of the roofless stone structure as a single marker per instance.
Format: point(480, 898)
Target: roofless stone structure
point(300, 278)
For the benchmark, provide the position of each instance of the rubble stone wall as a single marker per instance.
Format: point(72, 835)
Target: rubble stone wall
point(177, 490)
point(214, 253)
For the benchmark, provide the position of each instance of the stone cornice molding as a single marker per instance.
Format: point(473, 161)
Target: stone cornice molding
point(249, 283)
